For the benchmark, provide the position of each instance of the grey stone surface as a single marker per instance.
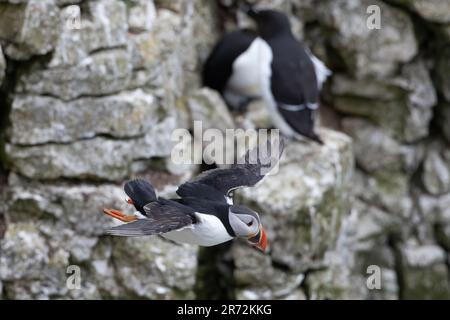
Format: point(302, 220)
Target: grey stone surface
point(377, 151)
point(434, 10)
point(29, 28)
point(141, 16)
point(42, 119)
point(105, 27)
point(444, 119)
point(2, 66)
point(436, 171)
point(425, 272)
point(71, 214)
point(155, 269)
point(207, 106)
point(104, 72)
point(442, 71)
point(368, 52)
point(405, 107)
point(96, 158)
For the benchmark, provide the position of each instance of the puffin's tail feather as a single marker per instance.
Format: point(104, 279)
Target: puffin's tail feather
point(140, 191)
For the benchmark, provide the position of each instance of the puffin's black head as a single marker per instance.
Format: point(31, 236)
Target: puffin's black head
point(141, 192)
point(270, 22)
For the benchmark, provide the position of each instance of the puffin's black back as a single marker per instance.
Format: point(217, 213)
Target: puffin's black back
point(216, 208)
point(219, 65)
point(141, 192)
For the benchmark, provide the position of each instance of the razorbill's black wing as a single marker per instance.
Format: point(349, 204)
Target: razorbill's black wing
point(294, 85)
point(292, 94)
point(251, 169)
point(162, 216)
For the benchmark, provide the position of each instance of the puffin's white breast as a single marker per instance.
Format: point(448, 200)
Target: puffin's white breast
point(208, 231)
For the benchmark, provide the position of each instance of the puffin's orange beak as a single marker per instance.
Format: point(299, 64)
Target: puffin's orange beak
point(262, 244)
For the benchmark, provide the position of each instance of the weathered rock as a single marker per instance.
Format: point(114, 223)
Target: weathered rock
point(72, 215)
point(257, 278)
point(101, 73)
point(141, 16)
point(76, 208)
point(155, 268)
point(145, 51)
point(109, 25)
point(368, 235)
point(207, 106)
point(307, 198)
point(22, 242)
point(370, 231)
point(29, 28)
point(425, 274)
point(442, 71)
point(443, 119)
point(34, 269)
point(436, 212)
point(365, 51)
point(96, 158)
point(105, 28)
point(102, 271)
point(403, 106)
point(340, 279)
point(444, 31)
point(2, 66)
point(436, 171)
point(39, 119)
point(377, 151)
point(434, 10)
point(389, 190)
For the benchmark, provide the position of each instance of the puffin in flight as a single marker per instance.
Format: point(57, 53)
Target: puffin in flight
point(205, 214)
point(270, 64)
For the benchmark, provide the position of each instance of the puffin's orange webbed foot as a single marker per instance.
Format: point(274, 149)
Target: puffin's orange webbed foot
point(119, 215)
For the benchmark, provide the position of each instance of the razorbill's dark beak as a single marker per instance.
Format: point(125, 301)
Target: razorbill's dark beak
point(259, 240)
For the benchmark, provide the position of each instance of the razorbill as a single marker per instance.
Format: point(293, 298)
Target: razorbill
point(205, 214)
point(271, 64)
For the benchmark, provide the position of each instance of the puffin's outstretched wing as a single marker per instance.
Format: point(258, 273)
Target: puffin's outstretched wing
point(163, 216)
point(251, 169)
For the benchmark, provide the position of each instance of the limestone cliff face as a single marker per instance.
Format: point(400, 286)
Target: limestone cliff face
point(91, 92)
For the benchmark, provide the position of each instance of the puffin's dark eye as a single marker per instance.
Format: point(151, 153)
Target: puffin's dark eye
point(250, 223)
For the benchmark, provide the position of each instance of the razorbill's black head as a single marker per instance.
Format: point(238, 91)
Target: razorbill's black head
point(270, 22)
point(270, 65)
point(292, 90)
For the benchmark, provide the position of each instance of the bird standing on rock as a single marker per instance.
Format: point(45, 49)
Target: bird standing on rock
point(204, 214)
point(272, 65)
